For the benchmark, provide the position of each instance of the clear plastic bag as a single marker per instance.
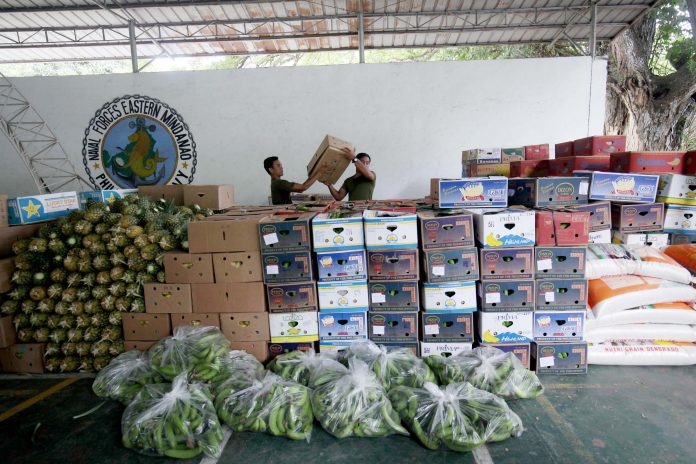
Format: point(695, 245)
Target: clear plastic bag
point(125, 376)
point(177, 420)
point(296, 365)
point(237, 364)
point(351, 401)
point(458, 415)
point(196, 350)
point(490, 369)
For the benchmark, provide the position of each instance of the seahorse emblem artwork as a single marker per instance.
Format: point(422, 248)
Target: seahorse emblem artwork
point(139, 160)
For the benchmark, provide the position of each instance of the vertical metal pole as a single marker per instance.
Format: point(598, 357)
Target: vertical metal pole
point(593, 29)
point(361, 33)
point(133, 47)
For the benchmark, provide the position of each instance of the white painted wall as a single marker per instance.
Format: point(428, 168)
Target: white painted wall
point(413, 118)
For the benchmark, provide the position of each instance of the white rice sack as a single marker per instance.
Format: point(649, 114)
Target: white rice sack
point(644, 353)
point(610, 295)
point(611, 260)
point(634, 332)
point(663, 313)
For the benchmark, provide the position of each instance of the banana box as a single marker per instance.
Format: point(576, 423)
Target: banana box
point(342, 324)
point(343, 295)
point(453, 296)
point(657, 162)
point(390, 229)
point(443, 349)
point(600, 214)
point(559, 326)
point(507, 263)
point(500, 228)
point(482, 156)
point(681, 239)
point(512, 154)
point(506, 327)
point(333, 266)
point(288, 298)
point(287, 267)
point(333, 347)
point(39, 208)
point(657, 240)
point(452, 265)
point(561, 294)
point(627, 188)
point(600, 236)
point(621, 238)
point(562, 227)
point(507, 295)
point(106, 196)
point(393, 326)
point(560, 262)
point(677, 189)
point(521, 350)
point(473, 192)
point(392, 265)
point(443, 229)
point(485, 170)
point(391, 346)
point(560, 358)
point(447, 326)
point(547, 191)
point(339, 230)
point(294, 327)
point(680, 219)
point(638, 218)
point(276, 349)
point(285, 232)
point(394, 296)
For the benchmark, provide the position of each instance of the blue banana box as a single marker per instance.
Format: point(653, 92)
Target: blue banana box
point(286, 232)
point(39, 208)
point(471, 192)
point(346, 295)
point(290, 298)
point(560, 358)
point(393, 326)
point(521, 350)
point(561, 294)
point(394, 296)
point(341, 265)
point(548, 191)
point(621, 187)
point(559, 326)
point(106, 196)
point(447, 326)
point(507, 295)
point(560, 262)
point(453, 265)
point(680, 219)
point(287, 267)
point(507, 263)
point(342, 324)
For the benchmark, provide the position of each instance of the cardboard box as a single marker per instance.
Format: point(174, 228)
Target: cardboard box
point(227, 234)
point(434, 188)
point(342, 324)
point(600, 236)
point(659, 162)
point(167, 298)
point(560, 357)
point(288, 298)
point(677, 189)
point(26, 358)
point(443, 349)
point(333, 347)
point(40, 208)
point(482, 156)
point(560, 262)
point(457, 296)
point(548, 191)
point(452, 265)
point(185, 268)
point(294, 327)
point(276, 349)
point(139, 326)
point(600, 214)
point(559, 326)
point(529, 168)
point(245, 327)
point(237, 267)
point(599, 145)
point(286, 232)
point(657, 239)
point(441, 230)
point(447, 326)
point(8, 336)
point(561, 294)
point(507, 295)
point(473, 192)
point(562, 227)
point(620, 238)
point(196, 320)
point(506, 327)
point(343, 295)
point(690, 163)
point(333, 266)
point(501, 228)
point(7, 268)
point(257, 349)
point(330, 155)
point(681, 239)
point(392, 265)
point(105, 196)
point(173, 193)
point(228, 297)
point(394, 296)
point(564, 150)
point(393, 326)
point(282, 267)
point(391, 346)
point(566, 166)
point(9, 235)
point(485, 170)
point(385, 229)
point(680, 219)
point(507, 263)
point(638, 218)
point(338, 233)
point(5, 360)
point(512, 154)
point(4, 213)
point(140, 345)
point(215, 197)
point(521, 350)
point(536, 152)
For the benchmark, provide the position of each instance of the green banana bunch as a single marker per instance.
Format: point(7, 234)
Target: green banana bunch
point(236, 364)
point(177, 420)
point(269, 404)
point(295, 365)
point(196, 350)
point(351, 401)
point(125, 376)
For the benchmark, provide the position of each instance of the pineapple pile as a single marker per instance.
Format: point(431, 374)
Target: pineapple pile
point(74, 281)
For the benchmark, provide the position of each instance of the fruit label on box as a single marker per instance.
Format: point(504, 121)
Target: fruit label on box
point(332, 347)
point(638, 218)
point(512, 154)
point(677, 189)
point(506, 327)
point(394, 296)
point(458, 296)
point(548, 191)
point(561, 294)
point(38, 208)
point(557, 326)
point(392, 265)
point(561, 358)
point(473, 192)
point(554, 262)
point(600, 236)
point(600, 214)
point(338, 295)
point(500, 228)
point(441, 230)
point(106, 196)
point(507, 263)
point(393, 326)
point(482, 156)
point(287, 267)
point(507, 295)
point(521, 350)
point(453, 265)
point(338, 231)
point(657, 240)
point(443, 349)
point(629, 188)
point(342, 325)
point(294, 327)
point(341, 265)
point(680, 219)
point(286, 298)
point(390, 229)
point(281, 232)
point(447, 326)
point(621, 238)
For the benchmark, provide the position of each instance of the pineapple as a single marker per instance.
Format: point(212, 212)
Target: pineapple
point(57, 246)
point(90, 239)
point(122, 304)
point(53, 321)
point(117, 258)
point(99, 248)
point(66, 227)
point(58, 275)
point(101, 263)
point(108, 303)
point(51, 349)
point(38, 245)
point(150, 252)
point(69, 364)
point(116, 273)
point(69, 348)
point(127, 221)
point(40, 278)
point(20, 246)
point(67, 322)
point(91, 334)
point(21, 277)
point(104, 278)
point(100, 362)
point(112, 333)
point(58, 335)
point(82, 321)
point(136, 263)
point(95, 211)
point(46, 305)
point(20, 321)
point(117, 347)
point(72, 241)
point(131, 250)
point(134, 231)
point(52, 365)
point(9, 307)
point(28, 306)
point(75, 335)
point(110, 247)
point(161, 277)
point(120, 240)
point(100, 348)
point(112, 219)
point(131, 210)
point(83, 349)
point(138, 305)
point(57, 260)
point(141, 241)
point(89, 279)
point(37, 293)
point(41, 335)
point(92, 306)
point(101, 229)
point(83, 227)
point(134, 289)
point(70, 263)
point(115, 318)
point(168, 242)
point(38, 261)
point(152, 269)
point(117, 289)
point(105, 237)
point(76, 308)
point(38, 319)
point(18, 293)
point(23, 263)
point(25, 335)
point(84, 265)
point(83, 294)
point(129, 276)
point(100, 319)
point(49, 231)
point(69, 295)
point(74, 279)
point(61, 308)
point(99, 292)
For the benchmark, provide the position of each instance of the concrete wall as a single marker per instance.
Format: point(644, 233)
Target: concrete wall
point(413, 118)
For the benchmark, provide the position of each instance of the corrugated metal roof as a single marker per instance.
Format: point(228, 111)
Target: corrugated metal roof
point(46, 30)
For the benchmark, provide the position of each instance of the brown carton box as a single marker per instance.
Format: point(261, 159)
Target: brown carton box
point(5, 360)
point(257, 349)
point(6, 269)
point(237, 267)
point(188, 268)
point(209, 196)
point(173, 193)
point(329, 154)
point(139, 326)
point(4, 217)
point(224, 235)
point(27, 357)
point(195, 320)
point(141, 345)
point(8, 337)
point(9, 235)
point(167, 298)
point(228, 297)
point(245, 327)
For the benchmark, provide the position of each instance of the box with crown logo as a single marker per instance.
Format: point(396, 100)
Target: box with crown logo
point(447, 326)
point(507, 295)
point(452, 265)
point(289, 298)
point(638, 218)
point(392, 265)
point(393, 326)
point(561, 294)
point(394, 296)
point(521, 350)
point(442, 229)
point(560, 358)
point(600, 214)
point(548, 191)
point(287, 267)
point(285, 232)
point(474, 192)
point(507, 263)
point(626, 188)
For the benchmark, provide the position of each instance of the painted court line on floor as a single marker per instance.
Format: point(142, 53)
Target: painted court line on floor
point(482, 455)
point(32, 401)
point(225, 438)
point(611, 386)
point(567, 431)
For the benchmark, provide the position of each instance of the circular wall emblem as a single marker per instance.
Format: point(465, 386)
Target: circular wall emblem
point(138, 140)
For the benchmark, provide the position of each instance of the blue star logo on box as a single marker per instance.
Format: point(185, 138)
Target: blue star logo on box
point(138, 140)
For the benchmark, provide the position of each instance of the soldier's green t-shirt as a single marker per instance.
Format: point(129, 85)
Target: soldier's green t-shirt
point(359, 188)
point(280, 191)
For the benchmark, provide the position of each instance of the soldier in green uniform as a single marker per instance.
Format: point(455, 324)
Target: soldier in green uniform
point(281, 188)
point(360, 186)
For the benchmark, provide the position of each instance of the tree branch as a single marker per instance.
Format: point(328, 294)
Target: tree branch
point(691, 6)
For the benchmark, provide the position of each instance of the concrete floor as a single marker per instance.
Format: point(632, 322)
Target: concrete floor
point(613, 415)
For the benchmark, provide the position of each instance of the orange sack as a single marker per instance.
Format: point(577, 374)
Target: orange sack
point(684, 255)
